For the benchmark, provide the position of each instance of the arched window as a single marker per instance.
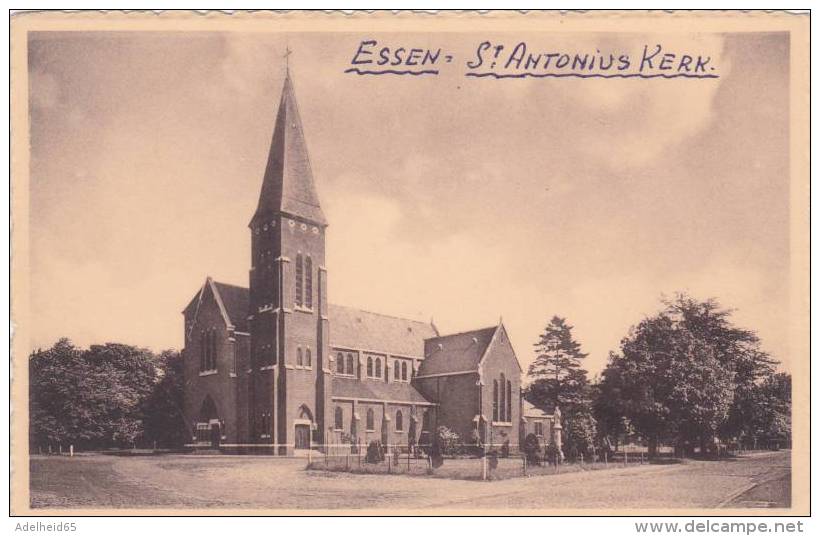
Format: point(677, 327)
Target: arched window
point(308, 282)
point(399, 421)
point(495, 400)
point(378, 367)
point(369, 366)
point(350, 368)
point(404, 370)
point(300, 276)
point(308, 357)
point(207, 349)
point(211, 352)
point(213, 342)
point(340, 363)
point(396, 370)
point(299, 360)
point(202, 351)
point(370, 421)
point(502, 404)
point(338, 420)
point(509, 401)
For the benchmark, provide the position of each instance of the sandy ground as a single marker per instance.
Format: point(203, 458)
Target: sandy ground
point(187, 481)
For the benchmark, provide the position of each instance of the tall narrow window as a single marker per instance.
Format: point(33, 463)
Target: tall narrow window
point(370, 423)
point(299, 361)
point(378, 367)
point(300, 276)
point(509, 401)
point(502, 404)
point(495, 400)
point(340, 363)
point(369, 366)
point(338, 421)
point(350, 368)
point(404, 370)
point(308, 357)
point(202, 351)
point(210, 349)
point(399, 421)
point(213, 349)
point(308, 282)
point(396, 370)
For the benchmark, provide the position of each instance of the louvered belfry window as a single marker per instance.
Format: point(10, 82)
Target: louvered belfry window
point(308, 301)
point(299, 274)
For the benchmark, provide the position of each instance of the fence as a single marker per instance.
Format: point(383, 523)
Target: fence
point(399, 460)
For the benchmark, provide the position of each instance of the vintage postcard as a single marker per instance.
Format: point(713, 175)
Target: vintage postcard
point(410, 263)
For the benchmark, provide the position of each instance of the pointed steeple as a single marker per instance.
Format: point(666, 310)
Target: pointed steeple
point(288, 184)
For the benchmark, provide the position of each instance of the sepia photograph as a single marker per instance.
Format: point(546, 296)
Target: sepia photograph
point(400, 263)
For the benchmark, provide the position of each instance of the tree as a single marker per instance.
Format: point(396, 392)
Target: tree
point(767, 411)
point(89, 398)
point(557, 379)
point(580, 432)
point(685, 375)
point(57, 383)
point(164, 421)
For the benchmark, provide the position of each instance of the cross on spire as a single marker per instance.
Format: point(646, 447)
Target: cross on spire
point(286, 55)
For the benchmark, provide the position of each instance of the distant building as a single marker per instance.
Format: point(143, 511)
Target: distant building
point(276, 367)
point(544, 425)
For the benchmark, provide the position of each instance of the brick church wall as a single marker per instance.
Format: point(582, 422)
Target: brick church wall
point(220, 386)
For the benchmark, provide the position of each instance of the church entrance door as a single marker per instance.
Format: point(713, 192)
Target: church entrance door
point(216, 435)
point(302, 437)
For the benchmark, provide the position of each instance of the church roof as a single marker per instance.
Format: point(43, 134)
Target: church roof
point(236, 302)
point(459, 352)
point(376, 390)
point(363, 330)
point(232, 301)
point(288, 184)
point(349, 327)
point(529, 410)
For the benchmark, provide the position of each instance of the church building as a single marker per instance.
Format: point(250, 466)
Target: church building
point(275, 367)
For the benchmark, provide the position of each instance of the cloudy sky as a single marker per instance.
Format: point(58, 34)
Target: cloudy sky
point(460, 199)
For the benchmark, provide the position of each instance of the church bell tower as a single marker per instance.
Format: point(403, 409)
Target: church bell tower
point(289, 384)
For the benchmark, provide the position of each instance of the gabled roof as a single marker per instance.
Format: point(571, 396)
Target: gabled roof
point(363, 330)
point(235, 299)
point(376, 390)
point(459, 352)
point(529, 410)
point(232, 301)
point(349, 328)
point(288, 185)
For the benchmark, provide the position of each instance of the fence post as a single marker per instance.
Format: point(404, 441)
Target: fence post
point(484, 467)
point(310, 456)
point(71, 450)
point(524, 464)
point(347, 461)
point(408, 460)
point(606, 461)
point(389, 463)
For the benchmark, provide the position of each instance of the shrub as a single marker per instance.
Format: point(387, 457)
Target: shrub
point(505, 449)
point(449, 442)
point(532, 449)
point(374, 453)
